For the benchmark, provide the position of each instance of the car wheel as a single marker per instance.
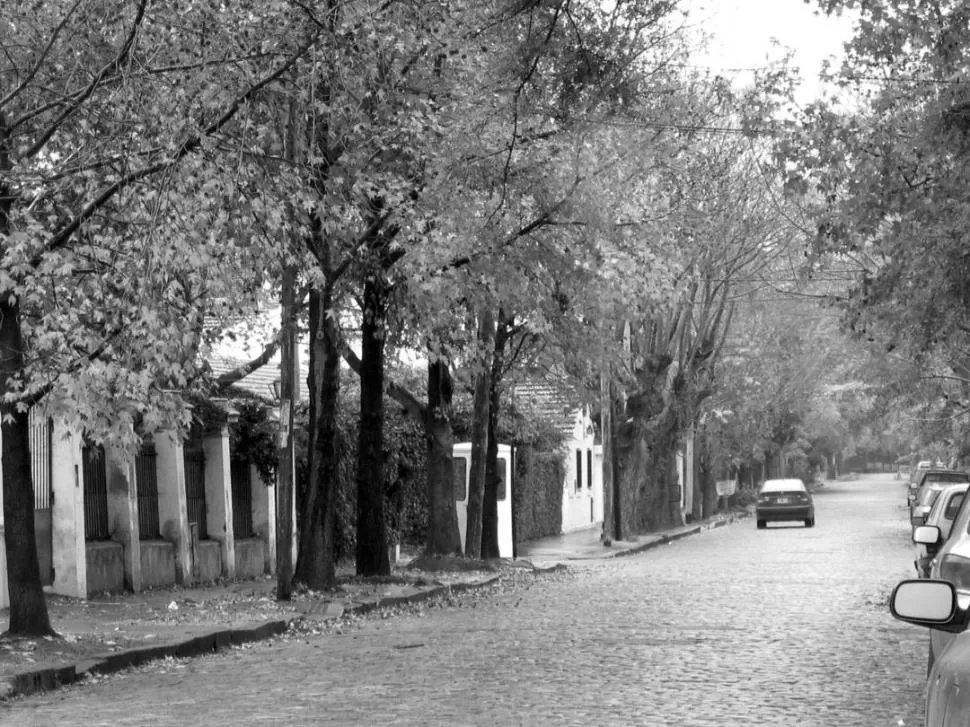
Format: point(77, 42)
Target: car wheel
point(762, 525)
point(810, 522)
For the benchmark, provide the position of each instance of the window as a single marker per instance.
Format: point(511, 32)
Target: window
point(579, 470)
point(589, 469)
point(953, 506)
point(500, 490)
point(461, 482)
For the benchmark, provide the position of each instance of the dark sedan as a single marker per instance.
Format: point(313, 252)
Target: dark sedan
point(784, 500)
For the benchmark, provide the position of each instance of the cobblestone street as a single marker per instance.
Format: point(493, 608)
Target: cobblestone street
point(786, 626)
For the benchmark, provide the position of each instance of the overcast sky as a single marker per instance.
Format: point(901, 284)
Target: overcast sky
point(743, 30)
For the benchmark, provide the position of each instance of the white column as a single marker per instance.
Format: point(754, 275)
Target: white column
point(218, 496)
point(264, 517)
point(67, 514)
point(170, 467)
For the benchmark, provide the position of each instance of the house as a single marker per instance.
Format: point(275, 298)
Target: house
point(177, 512)
point(582, 490)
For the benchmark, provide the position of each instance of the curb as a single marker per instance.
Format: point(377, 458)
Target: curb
point(43, 680)
point(670, 538)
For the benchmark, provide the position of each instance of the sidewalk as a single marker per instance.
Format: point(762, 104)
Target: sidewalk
point(111, 632)
point(586, 544)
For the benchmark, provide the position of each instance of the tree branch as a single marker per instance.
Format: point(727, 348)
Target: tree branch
point(85, 94)
point(43, 57)
point(61, 238)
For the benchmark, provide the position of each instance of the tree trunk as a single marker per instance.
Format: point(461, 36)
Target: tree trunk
point(316, 565)
point(611, 528)
point(372, 555)
point(480, 419)
point(490, 546)
point(28, 607)
point(443, 535)
point(702, 465)
point(284, 476)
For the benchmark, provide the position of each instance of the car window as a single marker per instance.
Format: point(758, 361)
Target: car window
point(780, 486)
point(946, 477)
point(953, 506)
point(929, 496)
point(962, 519)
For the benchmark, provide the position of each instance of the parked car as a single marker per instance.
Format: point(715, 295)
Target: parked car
point(951, 563)
point(931, 476)
point(915, 472)
point(925, 499)
point(784, 500)
point(936, 605)
point(941, 515)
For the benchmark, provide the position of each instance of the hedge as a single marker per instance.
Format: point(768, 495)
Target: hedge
point(537, 494)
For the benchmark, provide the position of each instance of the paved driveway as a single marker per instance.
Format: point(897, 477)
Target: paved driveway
point(737, 626)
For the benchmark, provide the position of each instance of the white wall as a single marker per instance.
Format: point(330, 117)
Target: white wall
point(579, 505)
point(463, 456)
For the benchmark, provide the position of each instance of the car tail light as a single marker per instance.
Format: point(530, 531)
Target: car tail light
point(956, 569)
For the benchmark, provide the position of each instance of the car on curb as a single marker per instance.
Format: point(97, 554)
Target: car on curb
point(929, 478)
point(941, 515)
point(913, 482)
point(936, 605)
point(784, 500)
point(951, 563)
point(924, 503)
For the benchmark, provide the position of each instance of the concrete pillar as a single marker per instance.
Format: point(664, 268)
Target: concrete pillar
point(123, 512)
point(67, 514)
point(218, 496)
point(174, 522)
point(264, 517)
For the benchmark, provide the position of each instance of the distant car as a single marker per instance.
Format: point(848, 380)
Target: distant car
point(941, 515)
point(930, 477)
point(784, 500)
point(936, 605)
point(916, 471)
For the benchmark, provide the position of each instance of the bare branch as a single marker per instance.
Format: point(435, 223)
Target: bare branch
point(43, 57)
point(109, 69)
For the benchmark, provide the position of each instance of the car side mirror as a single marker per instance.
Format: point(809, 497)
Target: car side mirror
point(929, 603)
point(927, 535)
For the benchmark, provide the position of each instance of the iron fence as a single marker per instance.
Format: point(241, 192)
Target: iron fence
point(146, 475)
point(195, 488)
point(95, 493)
point(242, 499)
point(40, 459)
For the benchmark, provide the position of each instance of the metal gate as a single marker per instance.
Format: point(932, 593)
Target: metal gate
point(95, 493)
point(195, 488)
point(147, 485)
point(242, 499)
point(41, 436)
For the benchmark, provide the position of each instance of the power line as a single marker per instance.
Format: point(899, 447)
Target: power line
point(929, 81)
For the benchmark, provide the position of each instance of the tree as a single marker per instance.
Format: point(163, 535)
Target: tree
point(115, 123)
point(885, 177)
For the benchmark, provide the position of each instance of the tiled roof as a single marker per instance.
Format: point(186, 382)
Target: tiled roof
point(260, 381)
point(548, 401)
